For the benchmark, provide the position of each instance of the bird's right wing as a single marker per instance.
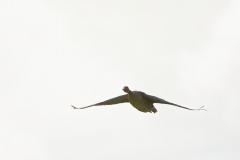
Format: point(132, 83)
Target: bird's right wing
point(154, 99)
point(116, 100)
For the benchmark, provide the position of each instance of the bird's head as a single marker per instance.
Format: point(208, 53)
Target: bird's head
point(126, 89)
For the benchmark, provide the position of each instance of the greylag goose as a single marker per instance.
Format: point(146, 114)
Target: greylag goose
point(139, 100)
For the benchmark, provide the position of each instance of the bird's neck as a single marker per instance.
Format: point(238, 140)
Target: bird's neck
point(129, 92)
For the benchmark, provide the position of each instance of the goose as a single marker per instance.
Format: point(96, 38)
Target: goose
point(139, 100)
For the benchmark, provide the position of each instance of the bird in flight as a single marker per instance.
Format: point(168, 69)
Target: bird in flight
point(139, 100)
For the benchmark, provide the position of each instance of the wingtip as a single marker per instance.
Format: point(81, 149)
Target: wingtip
point(202, 108)
point(73, 107)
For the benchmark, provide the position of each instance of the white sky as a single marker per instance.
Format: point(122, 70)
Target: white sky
point(57, 53)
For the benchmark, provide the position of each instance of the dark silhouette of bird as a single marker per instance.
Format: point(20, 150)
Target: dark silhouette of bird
point(139, 100)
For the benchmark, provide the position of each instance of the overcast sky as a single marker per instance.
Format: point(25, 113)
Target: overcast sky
point(54, 53)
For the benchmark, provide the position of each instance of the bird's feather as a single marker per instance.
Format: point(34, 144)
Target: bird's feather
point(154, 99)
point(115, 100)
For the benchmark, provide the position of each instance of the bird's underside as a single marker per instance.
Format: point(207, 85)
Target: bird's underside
point(138, 100)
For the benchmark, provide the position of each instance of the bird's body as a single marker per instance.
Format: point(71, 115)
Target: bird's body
point(139, 100)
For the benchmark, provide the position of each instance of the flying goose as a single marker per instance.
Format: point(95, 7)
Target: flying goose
point(139, 100)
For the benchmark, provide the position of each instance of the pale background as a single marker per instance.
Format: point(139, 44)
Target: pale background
point(54, 53)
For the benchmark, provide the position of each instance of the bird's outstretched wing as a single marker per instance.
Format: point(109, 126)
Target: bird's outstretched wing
point(116, 100)
point(154, 99)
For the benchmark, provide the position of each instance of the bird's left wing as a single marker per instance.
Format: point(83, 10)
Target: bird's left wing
point(115, 100)
point(154, 99)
